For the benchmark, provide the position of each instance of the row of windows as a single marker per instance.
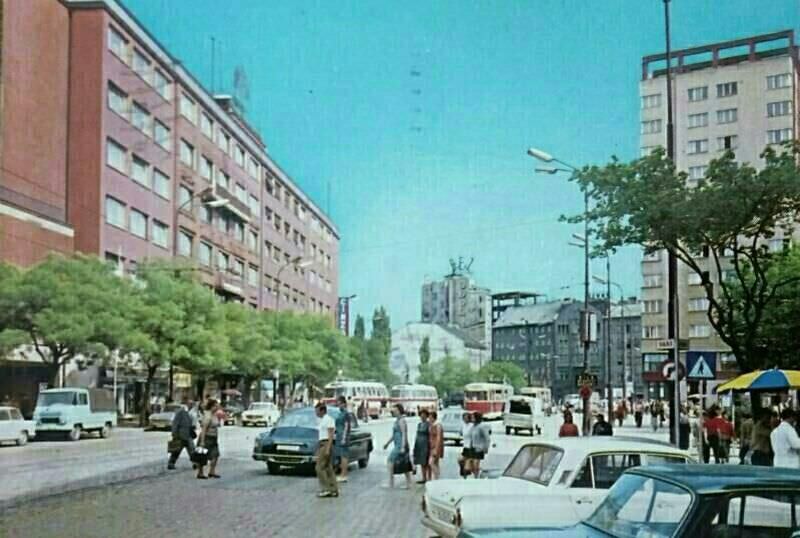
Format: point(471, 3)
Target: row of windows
point(726, 89)
point(140, 63)
point(136, 222)
point(139, 170)
point(282, 227)
point(699, 146)
point(283, 194)
point(224, 261)
point(139, 116)
point(652, 332)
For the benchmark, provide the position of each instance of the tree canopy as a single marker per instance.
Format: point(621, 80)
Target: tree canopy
point(448, 375)
point(503, 371)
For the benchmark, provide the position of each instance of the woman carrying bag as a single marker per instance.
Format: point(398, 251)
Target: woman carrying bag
point(399, 460)
point(208, 440)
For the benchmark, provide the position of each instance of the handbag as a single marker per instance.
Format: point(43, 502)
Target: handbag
point(174, 445)
point(200, 456)
point(402, 464)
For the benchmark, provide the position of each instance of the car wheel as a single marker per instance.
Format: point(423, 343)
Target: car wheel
point(508, 430)
point(273, 468)
point(22, 440)
point(105, 431)
point(362, 464)
point(74, 434)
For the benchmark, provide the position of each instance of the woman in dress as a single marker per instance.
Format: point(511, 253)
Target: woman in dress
point(400, 448)
point(466, 452)
point(209, 439)
point(436, 446)
point(422, 446)
point(480, 443)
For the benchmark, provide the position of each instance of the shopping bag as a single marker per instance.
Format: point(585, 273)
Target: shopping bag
point(200, 456)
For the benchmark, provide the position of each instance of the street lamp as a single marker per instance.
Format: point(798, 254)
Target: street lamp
point(343, 318)
point(547, 158)
point(296, 262)
point(624, 330)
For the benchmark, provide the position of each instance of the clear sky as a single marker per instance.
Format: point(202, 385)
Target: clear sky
point(409, 121)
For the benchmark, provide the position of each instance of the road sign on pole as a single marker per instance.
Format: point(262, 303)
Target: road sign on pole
point(668, 370)
point(701, 364)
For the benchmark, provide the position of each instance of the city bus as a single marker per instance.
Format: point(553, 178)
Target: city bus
point(373, 394)
point(489, 399)
point(543, 397)
point(414, 398)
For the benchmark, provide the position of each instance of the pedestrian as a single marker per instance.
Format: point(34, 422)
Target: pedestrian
point(481, 440)
point(466, 451)
point(422, 443)
point(713, 425)
point(328, 486)
point(601, 427)
point(726, 436)
point(785, 442)
point(183, 434)
point(619, 413)
point(208, 439)
point(399, 460)
point(568, 429)
point(760, 443)
point(654, 416)
point(745, 435)
point(341, 447)
point(436, 445)
point(638, 413)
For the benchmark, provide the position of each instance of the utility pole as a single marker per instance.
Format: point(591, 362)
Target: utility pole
point(587, 418)
point(609, 387)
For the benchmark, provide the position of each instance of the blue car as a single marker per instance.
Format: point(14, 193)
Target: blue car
point(686, 501)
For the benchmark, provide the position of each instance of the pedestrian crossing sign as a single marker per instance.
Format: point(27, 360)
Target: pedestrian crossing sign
point(701, 364)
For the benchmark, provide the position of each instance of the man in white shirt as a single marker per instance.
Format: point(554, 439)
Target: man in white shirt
point(785, 442)
point(325, 472)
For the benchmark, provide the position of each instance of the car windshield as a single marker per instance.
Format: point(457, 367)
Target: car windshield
point(57, 398)
point(520, 407)
point(536, 463)
point(639, 506)
point(303, 418)
point(335, 392)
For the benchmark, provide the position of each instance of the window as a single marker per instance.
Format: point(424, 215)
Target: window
point(117, 100)
point(651, 101)
point(222, 224)
point(779, 108)
point(252, 240)
point(727, 142)
point(141, 172)
point(774, 82)
point(651, 281)
point(252, 168)
point(697, 146)
point(141, 118)
point(222, 261)
point(206, 168)
point(161, 184)
point(141, 65)
point(162, 85)
point(239, 156)
point(278, 222)
point(207, 125)
point(694, 279)
point(651, 332)
point(698, 120)
point(652, 307)
point(184, 244)
point(776, 136)
point(776, 244)
point(651, 127)
point(727, 115)
point(204, 254)
point(608, 468)
point(224, 141)
point(727, 89)
point(187, 153)
point(255, 207)
point(116, 156)
point(184, 197)
point(115, 212)
point(252, 275)
point(241, 193)
point(697, 172)
point(162, 135)
point(238, 268)
point(138, 224)
point(699, 331)
point(646, 150)
point(238, 231)
point(188, 108)
point(160, 234)
point(698, 304)
point(118, 44)
point(205, 214)
point(699, 93)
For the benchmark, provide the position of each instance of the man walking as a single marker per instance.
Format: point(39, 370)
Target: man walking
point(601, 427)
point(785, 442)
point(638, 412)
point(327, 432)
point(182, 430)
point(342, 446)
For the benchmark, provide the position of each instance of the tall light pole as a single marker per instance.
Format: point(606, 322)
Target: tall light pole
point(624, 329)
point(609, 389)
point(585, 336)
point(297, 262)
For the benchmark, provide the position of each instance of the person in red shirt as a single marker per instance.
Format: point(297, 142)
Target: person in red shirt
point(714, 426)
point(568, 429)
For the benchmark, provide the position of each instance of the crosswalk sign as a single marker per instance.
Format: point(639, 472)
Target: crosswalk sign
point(701, 364)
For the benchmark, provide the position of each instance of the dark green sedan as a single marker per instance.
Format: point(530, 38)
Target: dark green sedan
point(686, 501)
point(292, 443)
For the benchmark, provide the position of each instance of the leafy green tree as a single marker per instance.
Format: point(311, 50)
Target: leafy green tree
point(359, 332)
point(425, 351)
point(64, 307)
point(503, 371)
point(717, 227)
point(448, 375)
point(250, 337)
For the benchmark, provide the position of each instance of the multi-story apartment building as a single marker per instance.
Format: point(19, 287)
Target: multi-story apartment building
point(456, 300)
point(741, 95)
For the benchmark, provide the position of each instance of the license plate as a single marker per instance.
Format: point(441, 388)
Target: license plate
point(289, 448)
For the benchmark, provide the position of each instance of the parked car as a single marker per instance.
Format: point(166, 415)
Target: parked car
point(521, 413)
point(563, 479)
point(71, 411)
point(14, 428)
point(266, 413)
point(163, 419)
point(233, 412)
point(292, 443)
point(687, 501)
point(452, 420)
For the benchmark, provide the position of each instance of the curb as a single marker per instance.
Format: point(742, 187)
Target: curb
point(130, 474)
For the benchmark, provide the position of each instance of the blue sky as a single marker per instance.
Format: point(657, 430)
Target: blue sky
point(409, 121)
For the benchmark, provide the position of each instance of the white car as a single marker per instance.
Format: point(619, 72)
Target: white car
point(266, 413)
point(549, 483)
point(15, 428)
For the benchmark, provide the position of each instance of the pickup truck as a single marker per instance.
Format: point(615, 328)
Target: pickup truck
point(72, 411)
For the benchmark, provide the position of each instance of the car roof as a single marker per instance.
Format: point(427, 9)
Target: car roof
point(577, 448)
point(708, 479)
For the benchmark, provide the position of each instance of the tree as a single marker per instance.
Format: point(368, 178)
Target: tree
point(716, 228)
point(448, 375)
point(250, 337)
point(64, 308)
point(359, 332)
point(425, 351)
point(503, 371)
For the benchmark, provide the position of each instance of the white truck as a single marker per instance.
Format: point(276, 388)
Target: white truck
point(72, 411)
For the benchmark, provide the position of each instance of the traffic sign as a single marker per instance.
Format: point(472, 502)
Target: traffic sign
point(701, 364)
point(665, 344)
point(668, 370)
point(586, 379)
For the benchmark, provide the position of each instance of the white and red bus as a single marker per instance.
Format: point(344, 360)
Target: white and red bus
point(414, 398)
point(374, 394)
point(489, 399)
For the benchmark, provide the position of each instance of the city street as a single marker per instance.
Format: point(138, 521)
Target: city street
point(247, 501)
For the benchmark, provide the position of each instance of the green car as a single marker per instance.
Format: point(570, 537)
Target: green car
point(686, 501)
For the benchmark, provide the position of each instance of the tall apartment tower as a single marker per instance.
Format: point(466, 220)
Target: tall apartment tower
point(456, 300)
point(741, 95)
